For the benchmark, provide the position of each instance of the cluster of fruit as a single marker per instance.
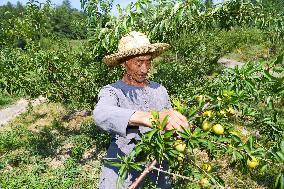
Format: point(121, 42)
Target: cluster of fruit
point(216, 128)
point(211, 120)
point(180, 146)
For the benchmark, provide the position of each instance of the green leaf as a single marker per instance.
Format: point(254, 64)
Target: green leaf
point(136, 166)
point(280, 155)
point(210, 146)
point(183, 135)
point(169, 133)
point(269, 101)
point(122, 172)
point(279, 181)
point(197, 131)
point(173, 152)
point(279, 59)
point(202, 140)
point(160, 145)
point(164, 122)
point(219, 180)
point(236, 139)
point(113, 163)
point(234, 156)
point(155, 115)
point(263, 168)
point(249, 143)
point(149, 135)
point(268, 75)
point(282, 146)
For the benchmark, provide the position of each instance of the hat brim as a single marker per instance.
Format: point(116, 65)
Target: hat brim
point(154, 49)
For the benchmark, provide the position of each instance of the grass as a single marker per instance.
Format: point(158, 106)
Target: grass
point(250, 53)
point(6, 100)
point(54, 44)
point(77, 45)
point(44, 149)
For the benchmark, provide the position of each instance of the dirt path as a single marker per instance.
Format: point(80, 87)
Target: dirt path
point(229, 63)
point(19, 107)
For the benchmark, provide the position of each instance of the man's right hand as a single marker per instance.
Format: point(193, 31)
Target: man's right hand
point(176, 120)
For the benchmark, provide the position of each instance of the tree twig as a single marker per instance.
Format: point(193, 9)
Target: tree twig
point(207, 174)
point(173, 174)
point(149, 168)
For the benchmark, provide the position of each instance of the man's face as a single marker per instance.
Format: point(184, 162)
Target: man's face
point(137, 67)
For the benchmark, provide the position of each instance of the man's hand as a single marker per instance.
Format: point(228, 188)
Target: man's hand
point(176, 120)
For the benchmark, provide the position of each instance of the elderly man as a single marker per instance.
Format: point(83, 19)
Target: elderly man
point(123, 108)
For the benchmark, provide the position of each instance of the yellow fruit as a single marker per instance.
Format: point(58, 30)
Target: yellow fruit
point(204, 183)
point(253, 162)
point(225, 93)
point(200, 98)
point(180, 157)
point(207, 167)
point(205, 126)
point(222, 112)
point(231, 110)
point(179, 145)
point(218, 129)
point(208, 113)
point(230, 146)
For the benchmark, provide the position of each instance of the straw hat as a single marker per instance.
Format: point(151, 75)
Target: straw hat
point(134, 43)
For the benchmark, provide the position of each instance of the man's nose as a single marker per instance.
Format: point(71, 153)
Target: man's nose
point(144, 69)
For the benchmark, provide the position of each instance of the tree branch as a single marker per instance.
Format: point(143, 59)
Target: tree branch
point(139, 179)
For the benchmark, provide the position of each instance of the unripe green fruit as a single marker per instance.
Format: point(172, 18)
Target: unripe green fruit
point(200, 98)
point(180, 157)
point(208, 113)
point(205, 126)
point(218, 129)
point(179, 145)
point(204, 183)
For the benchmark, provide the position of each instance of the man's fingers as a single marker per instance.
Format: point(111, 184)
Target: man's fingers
point(179, 115)
point(180, 119)
point(176, 125)
point(176, 120)
point(169, 126)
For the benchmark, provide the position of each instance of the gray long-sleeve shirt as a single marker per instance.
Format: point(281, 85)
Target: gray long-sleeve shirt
point(116, 104)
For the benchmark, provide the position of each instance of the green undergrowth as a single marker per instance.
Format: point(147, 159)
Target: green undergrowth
point(48, 147)
point(6, 99)
point(251, 53)
point(57, 43)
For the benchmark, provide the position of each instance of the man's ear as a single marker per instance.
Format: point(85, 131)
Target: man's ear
point(123, 65)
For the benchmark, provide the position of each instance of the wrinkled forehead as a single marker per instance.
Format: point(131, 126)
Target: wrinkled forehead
point(144, 57)
point(138, 58)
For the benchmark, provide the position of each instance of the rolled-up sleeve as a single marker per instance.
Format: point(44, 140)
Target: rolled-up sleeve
point(108, 115)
